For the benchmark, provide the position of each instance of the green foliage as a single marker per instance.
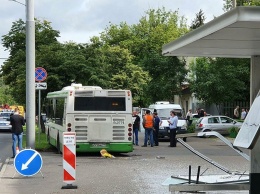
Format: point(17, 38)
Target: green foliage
point(228, 4)
point(14, 69)
point(144, 41)
point(251, 3)
point(191, 128)
point(6, 94)
point(233, 131)
point(123, 57)
point(198, 21)
point(220, 80)
point(41, 143)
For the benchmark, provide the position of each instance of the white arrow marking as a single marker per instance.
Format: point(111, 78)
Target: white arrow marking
point(25, 166)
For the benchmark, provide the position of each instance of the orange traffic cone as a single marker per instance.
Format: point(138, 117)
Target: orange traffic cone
point(17, 150)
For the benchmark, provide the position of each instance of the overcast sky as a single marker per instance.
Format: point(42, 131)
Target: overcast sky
point(78, 20)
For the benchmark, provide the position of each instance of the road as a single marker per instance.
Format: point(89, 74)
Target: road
point(5, 146)
point(142, 171)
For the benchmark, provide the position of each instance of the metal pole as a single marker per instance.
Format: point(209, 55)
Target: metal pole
point(189, 173)
point(30, 75)
point(39, 110)
point(39, 117)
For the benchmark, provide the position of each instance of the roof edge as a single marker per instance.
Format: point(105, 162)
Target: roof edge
point(241, 13)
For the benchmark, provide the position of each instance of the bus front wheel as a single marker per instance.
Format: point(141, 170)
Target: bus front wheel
point(58, 145)
point(48, 136)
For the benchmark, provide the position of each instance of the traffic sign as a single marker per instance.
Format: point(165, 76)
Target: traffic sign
point(41, 86)
point(28, 162)
point(40, 74)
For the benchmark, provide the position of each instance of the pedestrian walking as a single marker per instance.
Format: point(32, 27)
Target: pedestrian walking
point(17, 122)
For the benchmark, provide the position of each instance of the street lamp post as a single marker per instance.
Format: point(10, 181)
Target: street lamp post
point(30, 75)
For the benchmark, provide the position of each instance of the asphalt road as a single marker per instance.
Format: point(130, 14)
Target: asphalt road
point(5, 146)
point(142, 171)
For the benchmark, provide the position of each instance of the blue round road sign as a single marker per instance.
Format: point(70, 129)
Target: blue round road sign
point(28, 162)
point(40, 74)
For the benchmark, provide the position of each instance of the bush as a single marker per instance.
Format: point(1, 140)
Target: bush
point(41, 143)
point(233, 131)
point(191, 128)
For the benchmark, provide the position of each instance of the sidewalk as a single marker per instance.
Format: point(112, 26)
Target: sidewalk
point(13, 183)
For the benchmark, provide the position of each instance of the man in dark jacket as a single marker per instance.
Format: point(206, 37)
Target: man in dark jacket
point(136, 124)
point(157, 123)
point(17, 122)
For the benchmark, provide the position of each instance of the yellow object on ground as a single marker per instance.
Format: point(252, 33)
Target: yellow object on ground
point(105, 154)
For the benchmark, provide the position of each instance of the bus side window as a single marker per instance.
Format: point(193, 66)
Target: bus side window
point(59, 111)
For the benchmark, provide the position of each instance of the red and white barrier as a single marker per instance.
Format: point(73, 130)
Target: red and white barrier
point(69, 159)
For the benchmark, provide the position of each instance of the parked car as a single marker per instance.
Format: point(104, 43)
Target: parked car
point(196, 116)
point(6, 115)
point(220, 124)
point(5, 121)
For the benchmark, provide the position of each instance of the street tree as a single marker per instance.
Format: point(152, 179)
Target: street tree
point(220, 80)
point(113, 67)
point(228, 4)
point(198, 21)
point(14, 69)
point(5, 94)
point(144, 40)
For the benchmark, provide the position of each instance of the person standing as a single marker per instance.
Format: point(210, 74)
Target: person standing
point(148, 124)
point(243, 114)
point(173, 128)
point(236, 113)
point(201, 113)
point(136, 125)
point(189, 117)
point(157, 123)
point(17, 122)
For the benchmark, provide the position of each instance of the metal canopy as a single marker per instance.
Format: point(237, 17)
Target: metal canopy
point(235, 34)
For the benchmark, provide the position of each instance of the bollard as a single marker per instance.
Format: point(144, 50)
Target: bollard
point(69, 160)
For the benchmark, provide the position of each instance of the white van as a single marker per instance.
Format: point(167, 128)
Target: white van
point(163, 109)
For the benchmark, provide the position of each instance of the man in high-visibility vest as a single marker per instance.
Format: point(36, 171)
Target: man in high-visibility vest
point(148, 123)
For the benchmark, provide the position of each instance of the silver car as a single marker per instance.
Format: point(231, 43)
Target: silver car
point(5, 124)
point(220, 124)
point(5, 121)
